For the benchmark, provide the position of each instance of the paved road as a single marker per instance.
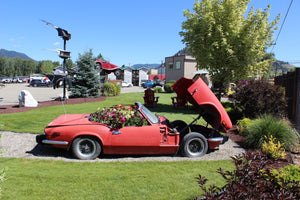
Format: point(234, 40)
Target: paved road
point(10, 92)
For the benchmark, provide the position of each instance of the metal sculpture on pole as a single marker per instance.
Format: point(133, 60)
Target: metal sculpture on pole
point(64, 54)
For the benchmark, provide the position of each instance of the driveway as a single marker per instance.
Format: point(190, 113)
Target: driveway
point(10, 92)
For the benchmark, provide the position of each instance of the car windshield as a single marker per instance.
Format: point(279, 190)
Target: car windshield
point(152, 117)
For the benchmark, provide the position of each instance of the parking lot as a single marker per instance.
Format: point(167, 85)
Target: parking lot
point(9, 93)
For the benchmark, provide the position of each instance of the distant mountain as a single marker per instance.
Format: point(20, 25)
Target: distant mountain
point(149, 66)
point(281, 66)
point(13, 54)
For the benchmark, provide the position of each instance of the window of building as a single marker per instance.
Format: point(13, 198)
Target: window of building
point(177, 65)
point(170, 65)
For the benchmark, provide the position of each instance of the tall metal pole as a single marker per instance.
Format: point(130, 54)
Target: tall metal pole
point(64, 67)
point(66, 36)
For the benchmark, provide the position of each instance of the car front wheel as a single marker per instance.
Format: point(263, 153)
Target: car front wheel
point(194, 145)
point(178, 124)
point(86, 148)
point(117, 72)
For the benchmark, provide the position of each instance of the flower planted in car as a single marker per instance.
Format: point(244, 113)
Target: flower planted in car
point(119, 116)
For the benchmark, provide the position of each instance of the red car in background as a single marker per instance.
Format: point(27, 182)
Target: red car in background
point(108, 67)
point(88, 139)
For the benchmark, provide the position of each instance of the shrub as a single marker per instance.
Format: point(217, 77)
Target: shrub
point(118, 87)
point(234, 111)
point(171, 81)
point(168, 88)
point(243, 124)
point(267, 126)
point(273, 149)
point(158, 89)
point(289, 173)
point(109, 89)
point(250, 180)
point(258, 97)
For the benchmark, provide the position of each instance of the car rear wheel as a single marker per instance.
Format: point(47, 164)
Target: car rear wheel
point(194, 145)
point(86, 148)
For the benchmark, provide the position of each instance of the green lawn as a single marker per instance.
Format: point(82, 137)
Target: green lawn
point(48, 179)
point(44, 179)
point(34, 121)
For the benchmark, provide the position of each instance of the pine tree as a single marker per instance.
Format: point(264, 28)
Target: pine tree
point(85, 83)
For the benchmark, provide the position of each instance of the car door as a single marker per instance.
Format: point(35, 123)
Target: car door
point(135, 140)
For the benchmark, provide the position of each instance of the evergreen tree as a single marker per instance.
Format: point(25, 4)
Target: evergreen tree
point(69, 65)
point(85, 82)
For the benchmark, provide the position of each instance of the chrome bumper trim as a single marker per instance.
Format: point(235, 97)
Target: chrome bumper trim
point(55, 142)
point(217, 139)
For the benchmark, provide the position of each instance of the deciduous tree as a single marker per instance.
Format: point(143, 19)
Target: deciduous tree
point(227, 40)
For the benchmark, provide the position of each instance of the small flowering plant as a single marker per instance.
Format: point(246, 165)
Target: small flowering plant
point(119, 116)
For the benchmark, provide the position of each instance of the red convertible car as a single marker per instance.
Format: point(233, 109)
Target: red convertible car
point(108, 67)
point(88, 139)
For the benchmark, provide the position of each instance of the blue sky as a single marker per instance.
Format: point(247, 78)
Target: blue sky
point(124, 31)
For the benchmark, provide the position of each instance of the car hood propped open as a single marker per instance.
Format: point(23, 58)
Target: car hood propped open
point(202, 98)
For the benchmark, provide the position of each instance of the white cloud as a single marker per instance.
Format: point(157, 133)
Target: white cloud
point(56, 43)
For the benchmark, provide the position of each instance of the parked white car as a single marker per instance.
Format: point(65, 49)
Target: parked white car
point(6, 80)
point(126, 84)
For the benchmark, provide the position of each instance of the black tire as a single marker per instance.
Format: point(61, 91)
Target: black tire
point(98, 66)
point(194, 145)
point(117, 72)
point(86, 148)
point(178, 124)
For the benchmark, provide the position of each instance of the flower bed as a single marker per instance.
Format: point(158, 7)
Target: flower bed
point(119, 116)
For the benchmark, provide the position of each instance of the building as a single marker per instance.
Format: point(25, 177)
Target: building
point(180, 65)
point(135, 75)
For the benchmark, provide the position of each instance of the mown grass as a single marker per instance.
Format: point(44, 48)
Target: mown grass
point(34, 121)
point(44, 179)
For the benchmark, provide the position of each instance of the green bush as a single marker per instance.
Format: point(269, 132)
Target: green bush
point(168, 88)
point(118, 87)
point(158, 89)
point(171, 81)
point(267, 126)
point(258, 97)
point(289, 173)
point(243, 124)
point(109, 89)
point(234, 111)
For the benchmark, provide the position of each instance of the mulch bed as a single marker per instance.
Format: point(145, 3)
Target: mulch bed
point(15, 108)
point(232, 133)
